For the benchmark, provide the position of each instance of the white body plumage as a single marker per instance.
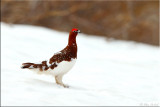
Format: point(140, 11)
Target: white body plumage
point(61, 69)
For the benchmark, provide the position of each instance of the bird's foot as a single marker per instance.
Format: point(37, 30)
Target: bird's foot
point(65, 86)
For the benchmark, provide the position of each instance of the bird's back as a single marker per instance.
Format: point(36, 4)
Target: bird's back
point(60, 63)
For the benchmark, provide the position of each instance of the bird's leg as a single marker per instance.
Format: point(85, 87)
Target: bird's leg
point(58, 79)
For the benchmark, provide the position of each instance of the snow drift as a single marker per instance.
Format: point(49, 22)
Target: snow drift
point(106, 72)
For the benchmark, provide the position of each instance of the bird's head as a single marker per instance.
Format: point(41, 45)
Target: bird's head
point(75, 30)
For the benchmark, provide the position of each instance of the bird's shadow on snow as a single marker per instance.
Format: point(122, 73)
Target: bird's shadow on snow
point(43, 83)
point(39, 82)
point(78, 88)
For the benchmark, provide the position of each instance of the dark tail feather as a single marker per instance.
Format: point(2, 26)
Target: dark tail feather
point(27, 65)
point(42, 66)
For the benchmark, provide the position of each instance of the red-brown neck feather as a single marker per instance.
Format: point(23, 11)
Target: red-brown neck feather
point(72, 38)
point(72, 43)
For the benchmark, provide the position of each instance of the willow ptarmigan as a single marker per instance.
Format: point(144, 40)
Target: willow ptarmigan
point(60, 63)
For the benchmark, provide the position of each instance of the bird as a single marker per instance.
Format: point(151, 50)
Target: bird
point(60, 63)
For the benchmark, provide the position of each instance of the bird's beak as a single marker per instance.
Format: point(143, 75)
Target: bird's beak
point(78, 31)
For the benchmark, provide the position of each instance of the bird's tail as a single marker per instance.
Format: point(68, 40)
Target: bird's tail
point(42, 66)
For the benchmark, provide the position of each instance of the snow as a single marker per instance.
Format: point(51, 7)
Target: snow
point(107, 73)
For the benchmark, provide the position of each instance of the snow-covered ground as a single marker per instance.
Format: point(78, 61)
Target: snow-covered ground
point(106, 72)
